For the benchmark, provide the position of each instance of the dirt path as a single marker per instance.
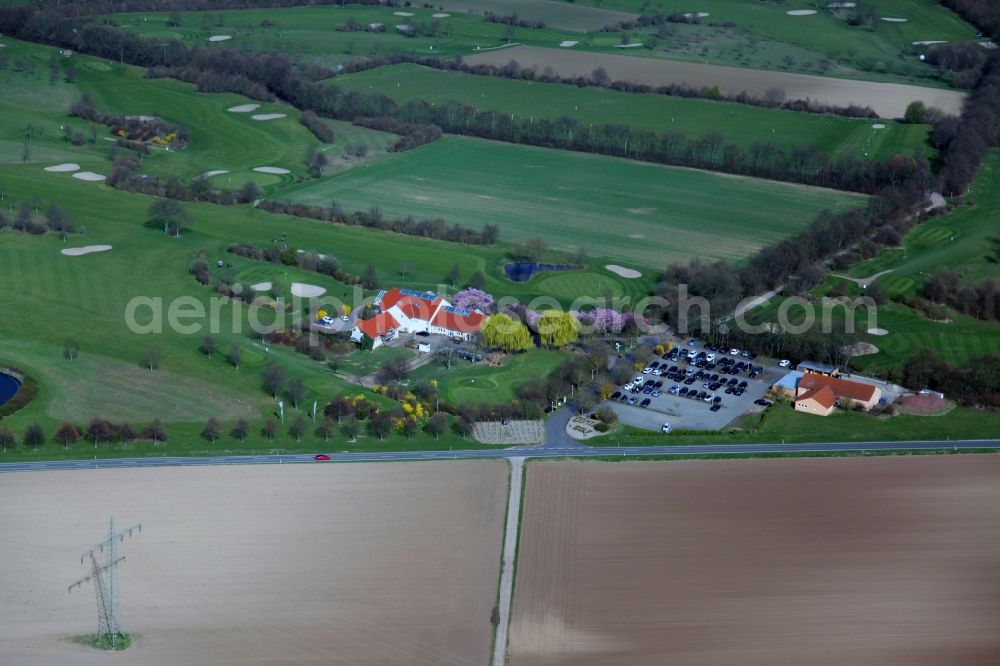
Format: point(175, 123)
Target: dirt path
point(507, 561)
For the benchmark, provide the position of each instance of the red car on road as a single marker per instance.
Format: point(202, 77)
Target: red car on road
point(321, 456)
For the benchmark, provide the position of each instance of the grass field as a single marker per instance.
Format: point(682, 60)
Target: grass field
point(309, 33)
point(357, 564)
point(740, 124)
point(765, 34)
point(639, 213)
point(825, 562)
point(473, 384)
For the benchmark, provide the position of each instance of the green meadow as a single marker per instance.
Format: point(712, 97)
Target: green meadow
point(740, 124)
point(637, 213)
point(465, 383)
point(765, 35)
point(310, 33)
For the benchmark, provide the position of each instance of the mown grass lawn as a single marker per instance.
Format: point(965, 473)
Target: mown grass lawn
point(466, 383)
point(739, 124)
point(310, 33)
point(638, 213)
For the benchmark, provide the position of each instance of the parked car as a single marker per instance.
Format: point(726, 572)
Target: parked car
point(665, 427)
point(645, 403)
point(710, 357)
point(628, 387)
point(692, 342)
point(656, 393)
point(734, 352)
point(716, 407)
point(784, 363)
point(638, 380)
point(633, 400)
point(616, 395)
point(683, 391)
point(647, 370)
point(624, 397)
point(327, 321)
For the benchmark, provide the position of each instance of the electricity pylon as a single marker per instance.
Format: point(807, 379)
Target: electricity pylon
point(104, 575)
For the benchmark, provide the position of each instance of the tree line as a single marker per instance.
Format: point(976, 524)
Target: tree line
point(436, 228)
point(981, 301)
point(88, 7)
point(975, 383)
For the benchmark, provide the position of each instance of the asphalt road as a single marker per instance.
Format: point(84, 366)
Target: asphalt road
point(555, 450)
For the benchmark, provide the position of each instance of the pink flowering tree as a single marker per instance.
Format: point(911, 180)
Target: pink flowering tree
point(473, 299)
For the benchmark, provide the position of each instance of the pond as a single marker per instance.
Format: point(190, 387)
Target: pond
point(522, 271)
point(8, 387)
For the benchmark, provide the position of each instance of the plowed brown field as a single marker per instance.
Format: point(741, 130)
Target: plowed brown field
point(392, 563)
point(861, 561)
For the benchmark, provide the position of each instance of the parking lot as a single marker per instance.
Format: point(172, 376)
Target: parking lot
point(685, 413)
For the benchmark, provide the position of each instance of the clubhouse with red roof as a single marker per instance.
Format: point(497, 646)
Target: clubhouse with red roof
point(410, 311)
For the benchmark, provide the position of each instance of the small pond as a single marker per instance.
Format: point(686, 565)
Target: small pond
point(522, 271)
point(8, 387)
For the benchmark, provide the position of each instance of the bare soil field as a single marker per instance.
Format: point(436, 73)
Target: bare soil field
point(271, 565)
point(862, 561)
point(889, 100)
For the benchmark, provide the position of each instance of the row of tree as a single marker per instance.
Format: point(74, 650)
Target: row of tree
point(436, 228)
point(98, 431)
point(26, 221)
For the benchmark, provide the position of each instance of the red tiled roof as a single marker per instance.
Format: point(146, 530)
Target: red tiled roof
point(842, 388)
point(378, 325)
point(412, 306)
point(823, 395)
point(467, 323)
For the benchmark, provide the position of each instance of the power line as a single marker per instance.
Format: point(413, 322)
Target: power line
point(104, 576)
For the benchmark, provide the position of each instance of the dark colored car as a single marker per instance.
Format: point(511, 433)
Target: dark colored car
point(716, 407)
point(644, 403)
point(616, 395)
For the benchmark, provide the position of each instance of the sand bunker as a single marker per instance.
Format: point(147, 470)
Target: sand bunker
point(621, 271)
point(894, 20)
point(878, 126)
point(568, 43)
point(87, 249)
point(219, 38)
point(275, 170)
point(402, 13)
point(696, 14)
point(929, 42)
point(842, 5)
point(261, 286)
point(62, 168)
point(209, 174)
point(269, 116)
point(627, 46)
point(877, 331)
point(244, 108)
point(861, 349)
point(440, 15)
point(306, 290)
point(801, 12)
point(89, 176)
